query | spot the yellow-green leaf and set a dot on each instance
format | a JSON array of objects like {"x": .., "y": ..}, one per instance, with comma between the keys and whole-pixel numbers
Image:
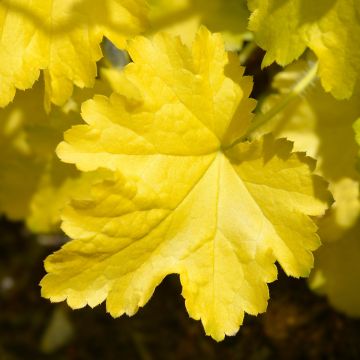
[
  {"x": 330, "y": 28},
  {"x": 34, "y": 184},
  {"x": 356, "y": 128},
  {"x": 321, "y": 126},
  {"x": 337, "y": 272},
  {"x": 181, "y": 199},
  {"x": 62, "y": 38},
  {"x": 183, "y": 18}
]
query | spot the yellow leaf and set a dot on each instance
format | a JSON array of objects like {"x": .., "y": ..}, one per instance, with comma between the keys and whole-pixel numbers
[
  {"x": 328, "y": 27},
  {"x": 182, "y": 199},
  {"x": 34, "y": 184},
  {"x": 62, "y": 38},
  {"x": 321, "y": 126},
  {"x": 183, "y": 18}
]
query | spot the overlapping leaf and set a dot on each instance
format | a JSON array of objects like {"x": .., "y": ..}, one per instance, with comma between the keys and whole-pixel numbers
[
  {"x": 337, "y": 269},
  {"x": 331, "y": 28},
  {"x": 337, "y": 272},
  {"x": 181, "y": 199},
  {"x": 62, "y": 38},
  {"x": 183, "y": 17},
  {"x": 34, "y": 184},
  {"x": 322, "y": 126}
]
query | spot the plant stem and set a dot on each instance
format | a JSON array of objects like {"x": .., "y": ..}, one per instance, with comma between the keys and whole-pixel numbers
[
  {"x": 298, "y": 88},
  {"x": 294, "y": 93},
  {"x": 246, "y": 52}
]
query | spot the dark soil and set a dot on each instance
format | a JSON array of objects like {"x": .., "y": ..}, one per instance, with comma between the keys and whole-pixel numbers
[{"x": 297, "y": 325}]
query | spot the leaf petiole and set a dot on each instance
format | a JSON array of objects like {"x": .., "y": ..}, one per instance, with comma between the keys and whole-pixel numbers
[
  {"x": 297, "y": 90},
  {"x": 247, "y": 52}
]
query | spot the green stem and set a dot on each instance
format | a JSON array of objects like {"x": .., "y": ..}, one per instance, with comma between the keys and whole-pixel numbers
[
  {"x": 247, "y": 51},
  {"x": 298, "y": 88}
]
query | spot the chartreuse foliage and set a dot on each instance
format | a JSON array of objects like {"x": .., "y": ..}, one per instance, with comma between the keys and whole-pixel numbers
[
  {"x": 322, "y": 126},
  {"x": 166, "y": 181},
  {"x": 328, "y": 27},
  {"x": 356, "y": 128},
  {"x": 183, "y": 18},
  {"x": 61, "y": 37},
  {"x": 180, "y": 197},
  {"x": 337, "y": 271},
  {"x": 34, "y": 184}
]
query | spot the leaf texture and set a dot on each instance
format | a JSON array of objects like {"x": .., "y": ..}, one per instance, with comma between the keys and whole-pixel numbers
[
  {"x": 181, "y": 199},
  {"x": 330, "y": 28}
]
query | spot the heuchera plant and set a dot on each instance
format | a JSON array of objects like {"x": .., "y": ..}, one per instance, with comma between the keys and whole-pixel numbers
[{"x": 178, "y": 169}]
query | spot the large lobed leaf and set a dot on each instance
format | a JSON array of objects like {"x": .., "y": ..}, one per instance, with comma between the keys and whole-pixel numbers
[
  {"x": 62, "y": 38},
  {"x": 331, "y": 28},
  {"x": 181, "y": 199}
]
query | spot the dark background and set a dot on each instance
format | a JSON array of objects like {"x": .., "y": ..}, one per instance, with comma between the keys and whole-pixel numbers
[{"x": 297, "y": 325}]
